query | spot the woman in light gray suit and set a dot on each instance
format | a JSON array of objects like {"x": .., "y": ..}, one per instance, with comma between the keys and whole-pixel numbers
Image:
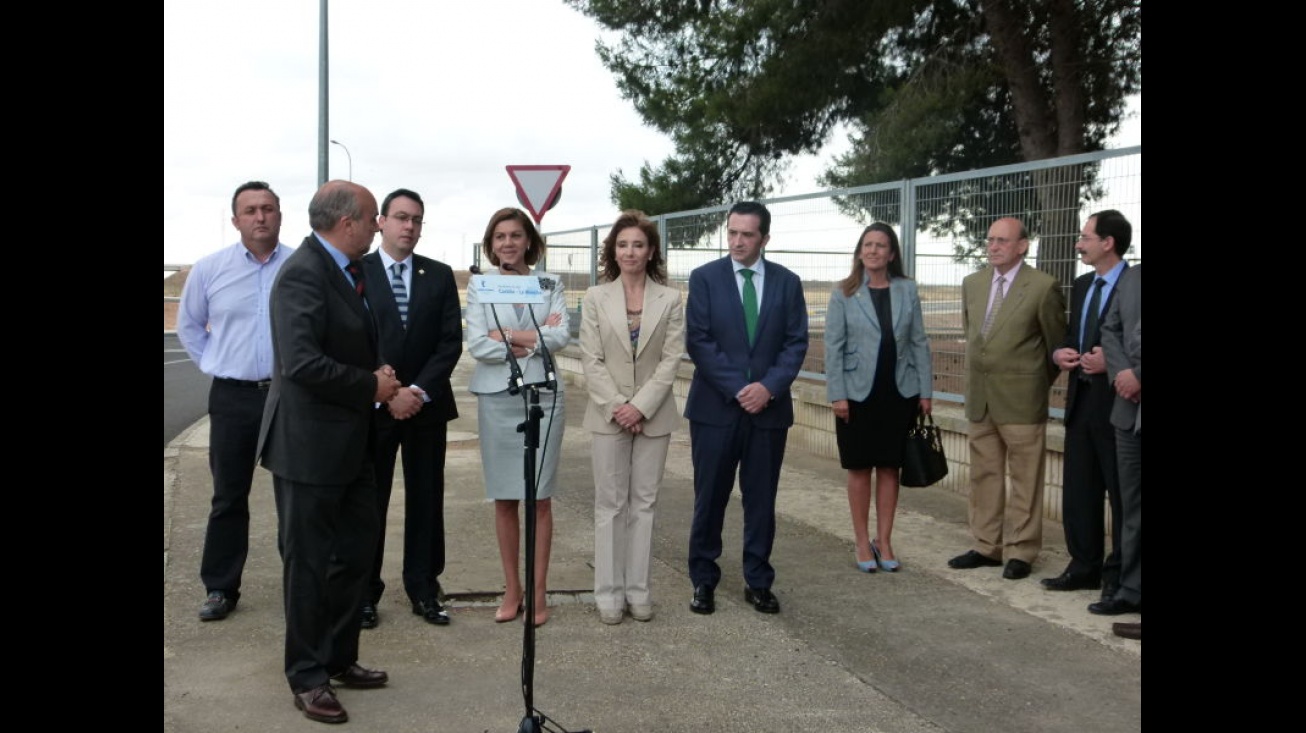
[
  {"x": 631, "y": 339},
  {"x": 512, "y": 244},
  {"x": 875, "y": 384}
]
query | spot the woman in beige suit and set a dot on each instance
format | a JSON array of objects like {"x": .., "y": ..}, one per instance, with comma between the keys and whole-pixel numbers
[{"x": 631, "y": 339}]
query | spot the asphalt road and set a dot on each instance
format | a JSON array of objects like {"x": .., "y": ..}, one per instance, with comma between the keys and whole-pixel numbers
[{"x": 185, "y": 389}]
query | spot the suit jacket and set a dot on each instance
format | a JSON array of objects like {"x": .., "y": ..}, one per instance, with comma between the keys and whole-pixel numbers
[
  {"x": 317, "y": 423},
  {"x": 717, "y": 341},
  {"x": 1078, "y": 294},
  {"x": 427, "y": 351},
  {"x": 614, "y": 374},
  {"x": 1009, "y": 372},
  {"x": 852, "y": 343},
  {"x": 492, "y": 366},
  {"x": 1122, "y": 342}
]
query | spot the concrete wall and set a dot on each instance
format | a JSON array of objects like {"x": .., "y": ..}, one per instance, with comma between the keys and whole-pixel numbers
[{"x": 813, "y": 430}]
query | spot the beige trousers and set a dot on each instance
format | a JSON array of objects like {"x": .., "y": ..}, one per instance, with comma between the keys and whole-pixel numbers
[
  {"x": 627, "y": 474},
  {"x": 1007, "y": 525}
]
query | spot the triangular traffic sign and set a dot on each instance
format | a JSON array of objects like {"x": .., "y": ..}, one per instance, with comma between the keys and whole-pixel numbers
[{"x": 538, "y": 186}]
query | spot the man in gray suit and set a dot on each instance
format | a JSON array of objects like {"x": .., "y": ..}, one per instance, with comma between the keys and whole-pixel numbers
[
  {"x": 1122, "y": 342},
  {"x": 316, "y": 439}
]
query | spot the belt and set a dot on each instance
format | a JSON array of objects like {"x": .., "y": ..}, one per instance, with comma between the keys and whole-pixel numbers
[{"x": 260, "y": 384}]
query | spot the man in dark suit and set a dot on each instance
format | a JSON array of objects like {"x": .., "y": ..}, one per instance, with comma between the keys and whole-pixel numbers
[
  {"x": 1122, "y": 341},
  {"x": 1090, "y": 450},
  {"x": 317, "y": 439},
  {"x": 1014, "y": 316},
  {"x": 746, "y": 332},
  {"x": 414, "y": 300}
]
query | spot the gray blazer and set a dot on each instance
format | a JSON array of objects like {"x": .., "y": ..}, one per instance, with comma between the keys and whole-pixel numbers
[
  {"x": 1122, "y": 343},
  {"x": 852, "y": 343}
]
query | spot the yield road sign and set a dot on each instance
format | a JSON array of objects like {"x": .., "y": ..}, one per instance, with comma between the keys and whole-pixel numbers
[{"x": 538, "y": 186}]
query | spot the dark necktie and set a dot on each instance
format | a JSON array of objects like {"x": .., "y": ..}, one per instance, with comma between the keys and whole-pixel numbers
[
  {"x": 401, "y": 291},
  {"x": 750, "y": 304},
  {"x": 1088, "y": 338},
  {"x": 356, "y": 271}
]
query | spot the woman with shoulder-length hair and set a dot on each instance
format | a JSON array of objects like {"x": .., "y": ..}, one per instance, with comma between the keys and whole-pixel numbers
[
  {"x": 512, "y": 244},
  {"x": 631, "y": 338},
  {"x": 878, "y": 375}
]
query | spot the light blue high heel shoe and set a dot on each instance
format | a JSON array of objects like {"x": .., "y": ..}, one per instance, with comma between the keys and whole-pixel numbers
[
  {"x": 867, "y": 566},
  {"x": 888, "y": 566}
]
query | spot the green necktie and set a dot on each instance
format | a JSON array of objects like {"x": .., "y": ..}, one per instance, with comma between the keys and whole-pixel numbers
[{"x": 750, "y": 305}]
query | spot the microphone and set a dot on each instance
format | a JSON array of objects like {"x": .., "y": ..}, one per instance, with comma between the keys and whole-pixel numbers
[
  {"x": 474, "y": 270},
  {"x": 550, "y": 374}
]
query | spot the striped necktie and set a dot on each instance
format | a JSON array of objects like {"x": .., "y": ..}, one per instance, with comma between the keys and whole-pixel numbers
[
  {"x": 993, "y": 309},
  {"x": 401, "y": 292}
]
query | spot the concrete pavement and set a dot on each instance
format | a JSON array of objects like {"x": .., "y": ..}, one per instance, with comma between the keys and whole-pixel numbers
[{"x": 926, "y": 649}]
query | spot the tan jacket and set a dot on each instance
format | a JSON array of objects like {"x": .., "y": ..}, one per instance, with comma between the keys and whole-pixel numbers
[
  {"x": 614, "y": 375},
  {"x": 1010, "y": 371}
]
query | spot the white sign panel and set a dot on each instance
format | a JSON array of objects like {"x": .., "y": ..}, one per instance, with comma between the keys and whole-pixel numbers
[{"x": 507, "y": 288}]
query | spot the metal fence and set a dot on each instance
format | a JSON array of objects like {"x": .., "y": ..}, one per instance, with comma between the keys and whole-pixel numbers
[{"x": 942, "y": 222}]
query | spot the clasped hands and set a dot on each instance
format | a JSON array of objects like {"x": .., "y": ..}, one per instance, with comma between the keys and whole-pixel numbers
[
  {"x": 629, "y": 418},
  {"x": 1092, "y": 362},
  {"x": 753, "y": 398},
  {"x": 386, "y": 383}
]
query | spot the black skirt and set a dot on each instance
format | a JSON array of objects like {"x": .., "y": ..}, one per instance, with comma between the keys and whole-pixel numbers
[{"x": 876, "y": 430}]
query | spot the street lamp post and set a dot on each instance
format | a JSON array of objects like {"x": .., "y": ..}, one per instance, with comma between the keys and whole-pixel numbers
[{"x": 349, "y": 157}]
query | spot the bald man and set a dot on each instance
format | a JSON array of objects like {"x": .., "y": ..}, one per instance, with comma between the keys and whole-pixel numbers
[
  {"x": 316, "y": 439},
  {"x": 1014, "y": 316}
]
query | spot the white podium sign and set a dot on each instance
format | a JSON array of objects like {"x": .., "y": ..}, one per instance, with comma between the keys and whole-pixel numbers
[{"x": 507, "y": 288}]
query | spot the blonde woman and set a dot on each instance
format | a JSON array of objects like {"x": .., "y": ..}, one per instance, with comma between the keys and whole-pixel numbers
[{"x": 878, "y": 375}]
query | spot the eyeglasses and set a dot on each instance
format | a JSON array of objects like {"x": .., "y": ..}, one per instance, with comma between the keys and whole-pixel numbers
[
  {"x": 1089, "y": 238},
  {"x": 997, "y": 240},
  {"x": 405, "y": 218}
]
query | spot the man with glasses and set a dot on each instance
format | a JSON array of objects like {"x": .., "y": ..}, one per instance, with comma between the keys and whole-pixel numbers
[
  {"x": 1090, "y": 451},
  {"x": 415, "y": 303},
  {"x": 1013, "y": 316},
  {"x": 222, "y": 322}
]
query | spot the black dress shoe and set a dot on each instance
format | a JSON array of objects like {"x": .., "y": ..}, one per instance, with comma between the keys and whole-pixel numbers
[
  {"x": 370, "y": 619},
  {"x": 1109, "y": 590},
  {"x": 356, "y": 675},
  {"x": 1016, "y": 569},
  {"x": 431, "y": 610},
  {"x": 762, "y": 599},
  {"x": 971, "y": 559},
  {"x": 320, "y": 704},
  {"x": 1114, "y": 607},
  {"x": 1068, "y": 581},
  {"x": 704, "y": 600},
  {"x": 217, "y": 606}
]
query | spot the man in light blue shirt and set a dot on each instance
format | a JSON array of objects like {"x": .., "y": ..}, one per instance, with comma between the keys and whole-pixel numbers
[{"x": 223, "y": 323}]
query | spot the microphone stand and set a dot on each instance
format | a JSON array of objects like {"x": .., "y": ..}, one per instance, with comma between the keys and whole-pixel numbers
[{"x": 535, "y": 721}]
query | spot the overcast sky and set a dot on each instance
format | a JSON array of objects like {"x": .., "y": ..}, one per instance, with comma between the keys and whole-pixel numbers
[{"x": 433, "y": 96}]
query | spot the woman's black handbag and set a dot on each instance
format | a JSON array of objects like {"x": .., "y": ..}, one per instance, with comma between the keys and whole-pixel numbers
[{"x": 923, "y": 460}]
